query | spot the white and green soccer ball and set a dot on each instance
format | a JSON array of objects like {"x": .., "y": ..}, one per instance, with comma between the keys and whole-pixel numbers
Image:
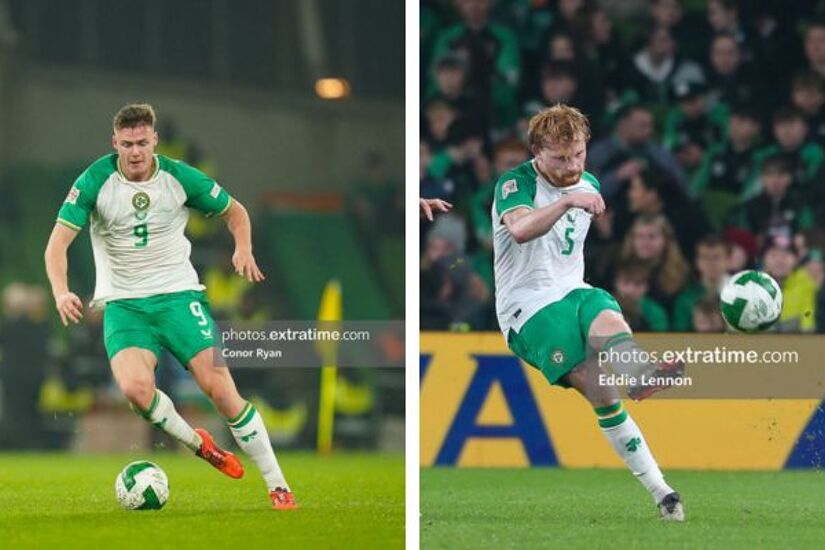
[
  {"x": 142, "y": 485},
  {"x": 751, "y": 301}
]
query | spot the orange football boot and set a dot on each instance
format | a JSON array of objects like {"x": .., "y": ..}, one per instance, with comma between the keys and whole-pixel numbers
[
  {"x": 282, "y": 499},
  {"x": 224, "y": 461}
]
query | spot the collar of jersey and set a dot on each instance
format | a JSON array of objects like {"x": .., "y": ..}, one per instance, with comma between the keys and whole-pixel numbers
[{"x": 127, "y": 180}]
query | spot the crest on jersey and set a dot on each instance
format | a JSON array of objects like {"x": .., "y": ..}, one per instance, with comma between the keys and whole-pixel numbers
[
  {"x": 509, "y": 186},
  {"x": 141, "y": 201},
  {"x": 557, "y": 357},
  {"x": 74, "y": 193}
]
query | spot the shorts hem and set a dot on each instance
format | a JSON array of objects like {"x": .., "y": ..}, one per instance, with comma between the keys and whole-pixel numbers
[
  {"x": 193, "y": 353},
  {"x": 154, "y": 352}
]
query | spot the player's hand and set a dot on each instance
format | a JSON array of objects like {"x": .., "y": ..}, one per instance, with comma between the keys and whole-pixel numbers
[
  {"x": 426, "y": 207},
  {"x": 592, "y": 203},
  {"x": 69, "y": 307},
  {"x": 245, "y": 266}
]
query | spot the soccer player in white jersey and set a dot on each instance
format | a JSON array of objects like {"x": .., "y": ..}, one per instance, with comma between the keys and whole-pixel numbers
[
  {"x": 549, "y": 316},
  {"x": 138, "y": 204}
]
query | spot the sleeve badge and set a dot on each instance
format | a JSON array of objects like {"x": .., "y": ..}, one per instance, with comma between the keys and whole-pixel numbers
[
  {"x": 74, "y": 193},
  {"x": 509, "y": 186}
]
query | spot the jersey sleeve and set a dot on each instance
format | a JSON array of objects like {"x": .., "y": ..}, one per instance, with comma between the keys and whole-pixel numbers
[
  {"x": 202, "y": 192},
  {"x": 80, "y": 202},
  {"x": 512, "y": 192},
  {"x": 592, "y": 180}
]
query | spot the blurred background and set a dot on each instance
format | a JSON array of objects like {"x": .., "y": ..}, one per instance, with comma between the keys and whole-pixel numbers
[
  {"x": 295, "y": 107},
  {"x": 708, "y": 128}
]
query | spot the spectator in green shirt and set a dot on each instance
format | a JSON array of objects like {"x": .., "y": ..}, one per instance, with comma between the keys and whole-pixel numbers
[
  {"x": 728, "y": 166},
  {"x": 630, "y": 289},
  {"x": 808, "y": 95},
  {"x": 711, "y": 275},
  {"x": 491, "y": 53},
  {"x": 693, "y": 125},
  {"x": 508, "y": 154},
  {"x": 779, "y": 207},
  {"x": 790, "y": 130},
  {"x": 451, "y": 86}
]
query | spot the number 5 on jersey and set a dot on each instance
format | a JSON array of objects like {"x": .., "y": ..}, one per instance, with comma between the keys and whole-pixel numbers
[{"x": 568, "y": 241}]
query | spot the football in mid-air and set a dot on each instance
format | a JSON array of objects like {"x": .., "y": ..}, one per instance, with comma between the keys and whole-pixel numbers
[
  {"x": 751, "y": 301},
  {"x": 142, "y": 485}
]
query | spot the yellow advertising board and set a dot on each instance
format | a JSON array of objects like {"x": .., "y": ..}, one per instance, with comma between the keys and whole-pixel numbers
[{"x": 482, "y": 407}]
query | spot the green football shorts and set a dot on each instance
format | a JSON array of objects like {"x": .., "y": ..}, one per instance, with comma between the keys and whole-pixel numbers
[
  {"x": 180, "y": 322},
  {"x": 554, "y": 339}
]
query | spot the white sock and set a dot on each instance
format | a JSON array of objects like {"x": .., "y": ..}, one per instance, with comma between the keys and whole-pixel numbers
[
  {"x": 250, "y": 433},
  {"x": 162, "y": 414},
  {"x": 627, "y": 440}
]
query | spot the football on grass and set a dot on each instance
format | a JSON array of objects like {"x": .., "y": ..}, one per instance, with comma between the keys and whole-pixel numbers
[
  {"x": 751, "y": 301},
  {"x": 142, "y": 485}
]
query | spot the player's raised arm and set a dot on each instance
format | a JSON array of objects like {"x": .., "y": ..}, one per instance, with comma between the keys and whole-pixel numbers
[
  {"x": 238, "y": 222},
  {"x": 525, "y": 224},
  {"x": 68, "y": 305}
]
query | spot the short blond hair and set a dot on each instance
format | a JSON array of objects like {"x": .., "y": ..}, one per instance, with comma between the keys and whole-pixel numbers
[
  {"x": 560, "y": 124},
  {"x": 134, "y": 115}
]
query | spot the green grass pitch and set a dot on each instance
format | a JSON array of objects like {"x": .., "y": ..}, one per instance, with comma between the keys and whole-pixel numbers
[
  {"x": 68, "y": 501},
  {"x": 556, "y": 508}
]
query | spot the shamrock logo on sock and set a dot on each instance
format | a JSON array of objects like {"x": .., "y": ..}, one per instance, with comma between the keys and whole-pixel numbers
[
  {"x": 247, "y": 438},
  {"x": 633, "y": 444}
]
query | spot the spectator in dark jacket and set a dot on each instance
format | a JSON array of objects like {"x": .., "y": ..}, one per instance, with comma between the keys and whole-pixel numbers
[
  {"x": 658, "y": 67},
  {"x": 616, "y": 159},
  {"x": 728, "y": 166},
  {"x": 778, "y": 208},
  {"x": 731, "y": 79},
  {"x": 808, "y": 96},
  {"x": 653, "y": 191}
]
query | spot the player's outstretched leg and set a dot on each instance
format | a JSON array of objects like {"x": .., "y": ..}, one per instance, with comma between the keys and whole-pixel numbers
[
  {"x": 616, "y": 424},
  {"x": 245, "y": 423},
  {"x": 625, "y": 437},
  {"x": 133, "y": 370}
]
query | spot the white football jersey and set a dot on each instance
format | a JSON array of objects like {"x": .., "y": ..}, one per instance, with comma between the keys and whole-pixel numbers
[
  {"x": 137, "y": 228},
  {"x": 531, "y": 275}
]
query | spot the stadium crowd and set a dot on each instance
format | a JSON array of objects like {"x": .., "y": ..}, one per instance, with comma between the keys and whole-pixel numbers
[{"x": 708, "y": 139}]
